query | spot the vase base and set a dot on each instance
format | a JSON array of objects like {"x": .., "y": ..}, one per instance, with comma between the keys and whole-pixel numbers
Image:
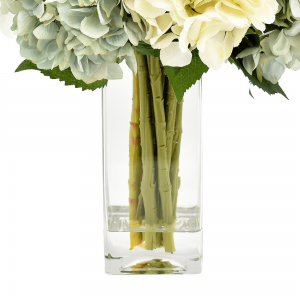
[
  {"x": 120, "y": 260},
  {"x": 113, "y": 266}
]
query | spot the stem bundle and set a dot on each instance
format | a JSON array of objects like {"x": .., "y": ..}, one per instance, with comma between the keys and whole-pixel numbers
[{"x": 154, "y": 162}]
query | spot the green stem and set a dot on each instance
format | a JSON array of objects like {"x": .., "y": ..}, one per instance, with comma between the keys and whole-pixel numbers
[
  {"x": 159, "y": 239},
  {"x": 175, "y": 179},
  {"x": 171, "y": 107},
  {"x": 140, "y": 212},
  {"x": 135, "y": 164},
  {"x": 148, "y": 184},
  {"x": 164, "y": 183},
  {"x": 158, "y": 202}
]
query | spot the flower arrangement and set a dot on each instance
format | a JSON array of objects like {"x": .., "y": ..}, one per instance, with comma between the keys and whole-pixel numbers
[
  {"x": 168, "y": 45},
  {"x": 92, "y": 37}
]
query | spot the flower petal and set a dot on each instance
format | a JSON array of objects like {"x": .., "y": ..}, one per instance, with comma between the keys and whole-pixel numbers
[
  {"x": 165, "y": 40},
  {"x": 39, "y": 10},
  {"x": 118, "y": 40},
  {"x": 43, "y": 32},
  {"x": 6, "y": 22},
  {"x": 109, "y": 70},
  {"x": 172, "y": 56},
  {"x": 214, "y": 54},
  {"x": 25, "y": 23},
  {"x": 295, "y": 7},
  {"x": 92, "y": 27},
  {"x": 108, "y": 6},
  {"x": 145, "y": 9}
]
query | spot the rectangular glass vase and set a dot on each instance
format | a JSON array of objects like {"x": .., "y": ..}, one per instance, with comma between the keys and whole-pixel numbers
[{"x": 159, "y": 233}]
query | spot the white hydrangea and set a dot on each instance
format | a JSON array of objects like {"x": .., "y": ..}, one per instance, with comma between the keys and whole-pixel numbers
[
  {"x": 91, "y": 37},
  {"x": 214, "y": 27}
]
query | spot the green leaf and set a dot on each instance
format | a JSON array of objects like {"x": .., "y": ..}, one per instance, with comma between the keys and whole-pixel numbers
[
  {"x": 265, "y": 85},
  {"x": 253, "y": 39},
  {"x": 65, "y": 76},
  {"x": 250, "y": 93},
  {"x": 145, "y": 49},
  {"x": 183, "y": 78}
]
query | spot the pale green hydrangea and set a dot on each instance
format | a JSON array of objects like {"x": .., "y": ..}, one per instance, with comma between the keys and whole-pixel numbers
[
  {"x": 91, "y": 37},
  {"x": 279, "y": 47}
]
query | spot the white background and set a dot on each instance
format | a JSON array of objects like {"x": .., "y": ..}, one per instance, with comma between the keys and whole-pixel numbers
[{"x": 51, "y": 241}]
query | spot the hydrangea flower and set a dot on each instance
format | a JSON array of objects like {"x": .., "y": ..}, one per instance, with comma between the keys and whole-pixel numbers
[
  {"x": 279, "y": 49},
  {"x": 91, "y": 37},
  {"x": 214, "y": 27}
]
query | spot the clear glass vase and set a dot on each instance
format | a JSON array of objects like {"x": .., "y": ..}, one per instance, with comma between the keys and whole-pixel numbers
[{"x": 152, "y": 174}]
